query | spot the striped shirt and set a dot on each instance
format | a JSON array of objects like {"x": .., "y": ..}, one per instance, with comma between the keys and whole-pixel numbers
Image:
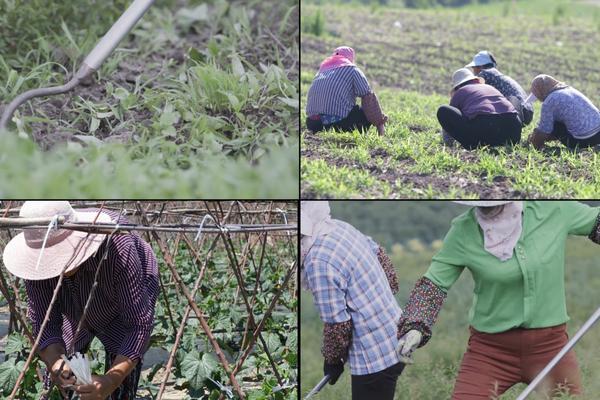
[
  {"x": 334, "y": 92},
  {"x": 121, "y": 314},
  {"x": 570, "y": 107},
  {"x": 348, "y": 283}
]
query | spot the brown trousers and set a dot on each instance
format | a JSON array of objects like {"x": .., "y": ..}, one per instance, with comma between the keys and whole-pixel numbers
[{"x": 494, "y": 362}]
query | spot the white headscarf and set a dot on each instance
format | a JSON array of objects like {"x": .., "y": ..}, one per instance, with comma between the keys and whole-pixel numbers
[
  {"x": 501, "y": 228},
  {"x": 315, "y": 220}
]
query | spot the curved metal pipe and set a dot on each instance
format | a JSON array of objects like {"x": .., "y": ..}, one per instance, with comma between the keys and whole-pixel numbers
[
  {"x": 83, "y": 72},
  {"x": 92, "y": 62}
]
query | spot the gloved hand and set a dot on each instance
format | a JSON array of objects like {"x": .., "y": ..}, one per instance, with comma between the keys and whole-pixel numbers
[
  {"x": 334, "y": 371},
  {"x": 409, "y": 342}
]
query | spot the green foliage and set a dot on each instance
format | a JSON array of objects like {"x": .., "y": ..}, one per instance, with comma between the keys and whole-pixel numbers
[
  {"x": 197, "y": 368},
  {"x": 196, "y": 86},
  {"x": 314, "y": 23},
  {"x": 558, "y": 15}
]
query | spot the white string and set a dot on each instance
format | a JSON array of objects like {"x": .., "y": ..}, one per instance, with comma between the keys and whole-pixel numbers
[
  {"x": 199, "y": 234},
  {"x": 285, "y": 220},
  {"x": 53, "y": 224}
]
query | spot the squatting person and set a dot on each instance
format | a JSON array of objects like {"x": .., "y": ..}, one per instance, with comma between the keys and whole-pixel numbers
[
  {"x": 331, "y": 102},
  {"x": 121, "y": 314},
  {"x": 567, "y": 115},
  {"x": 478, "y": 114},
  {"x": 484, "y": 65},
  {"x": 352, "y": 281},
  {"x": 515, "y": 253}
]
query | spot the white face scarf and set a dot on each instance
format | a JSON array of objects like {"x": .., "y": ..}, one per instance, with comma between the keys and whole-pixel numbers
[
  {"x": 315, "y": 220},
  {"x": 502, "y": 227}
]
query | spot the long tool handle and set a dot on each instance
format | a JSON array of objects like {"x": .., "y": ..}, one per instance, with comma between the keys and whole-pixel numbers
[
  {"x": 582, "y": 331},
  {"x": 318, "y": 388},
  {"x": 116, "y": 33}
]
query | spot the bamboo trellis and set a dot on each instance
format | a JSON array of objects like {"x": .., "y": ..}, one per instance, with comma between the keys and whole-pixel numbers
[{"x": 241, "y": 229}]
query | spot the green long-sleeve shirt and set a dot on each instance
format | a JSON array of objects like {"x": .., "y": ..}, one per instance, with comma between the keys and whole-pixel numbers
[{"x": 528, "y": 289}]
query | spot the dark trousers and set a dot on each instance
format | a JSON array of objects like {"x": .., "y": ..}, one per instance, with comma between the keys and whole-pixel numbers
[
  {"x": 561, "y": 132},
  {"x": 380, "y": 385},
  {"x": 356, "y": 119},
  {"x": 525, "y": 113},
  {"x": 491, "y": 129}
]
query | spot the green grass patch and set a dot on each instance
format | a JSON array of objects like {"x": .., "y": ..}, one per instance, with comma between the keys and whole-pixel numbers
[
  {"x": 197, "y": 87},
  {"x": 409, "y": 57}
]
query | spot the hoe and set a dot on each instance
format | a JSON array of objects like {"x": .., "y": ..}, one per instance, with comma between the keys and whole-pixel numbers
[{"x": 92, "y": 62}]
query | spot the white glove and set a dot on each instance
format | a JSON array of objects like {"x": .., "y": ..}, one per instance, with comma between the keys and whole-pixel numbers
[{"x": 409, "y": 342}]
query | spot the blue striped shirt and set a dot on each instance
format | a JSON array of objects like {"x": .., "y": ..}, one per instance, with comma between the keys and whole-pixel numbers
[
  {"x": 348, "y": 283},
  {"x": 334, "y": 92},
  {"x": 121, "y": 314}
]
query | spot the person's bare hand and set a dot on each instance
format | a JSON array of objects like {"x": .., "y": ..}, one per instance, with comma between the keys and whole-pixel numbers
[
  {"x": 536, "y": 140},
  {"x": 63, "y": 378},
  {"x": 101, "y": 387}
]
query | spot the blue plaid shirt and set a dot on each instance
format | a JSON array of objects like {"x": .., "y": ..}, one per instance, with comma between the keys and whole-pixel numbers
[{"x": 348, "y": 282}]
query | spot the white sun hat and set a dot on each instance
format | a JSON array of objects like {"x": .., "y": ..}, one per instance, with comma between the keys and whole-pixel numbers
[
  {"x": 463, "y": 75},
  {"x": 484, "y": 57},
  {"x": 477, "y": 203},
  {"x": 63, "y": 246}
]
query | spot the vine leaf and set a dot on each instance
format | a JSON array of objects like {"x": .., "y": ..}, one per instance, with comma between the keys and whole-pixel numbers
[
  {"x": 196, "y": 368},
  {"x": 9, "y": 372},
  {"x": 15, "y": 343}
]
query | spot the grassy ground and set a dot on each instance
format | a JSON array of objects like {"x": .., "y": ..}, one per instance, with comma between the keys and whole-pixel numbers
[
  {"x": 201, "y": 99},
  {"x": 433, "y": 375},
  {"x": 408, "y": 57}
]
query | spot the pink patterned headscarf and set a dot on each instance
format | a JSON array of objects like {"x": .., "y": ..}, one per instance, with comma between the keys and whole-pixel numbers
[{"x": 341, "y": 57}]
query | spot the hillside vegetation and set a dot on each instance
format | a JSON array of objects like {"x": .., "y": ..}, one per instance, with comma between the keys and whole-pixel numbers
[{"x": 409, "y": 57}]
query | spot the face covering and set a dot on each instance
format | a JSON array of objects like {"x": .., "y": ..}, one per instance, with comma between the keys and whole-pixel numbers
[
  {"x": 502, "y": 227},
  {"x": 315, "y": 221}
]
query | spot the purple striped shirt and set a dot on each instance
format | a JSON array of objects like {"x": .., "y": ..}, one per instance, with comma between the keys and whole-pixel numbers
[{"x": 121, "y": 314}]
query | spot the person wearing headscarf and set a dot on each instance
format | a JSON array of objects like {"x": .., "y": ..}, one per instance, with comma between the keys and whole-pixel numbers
[
  {"x": 478, "y": 114},
  {"x": 484, "y": 65},
  {"x": 515, "y": 253},
  {"x": 331, "y": 102},
  {"x": 353, "y": 284},
  {"x": 567, "y": 115},
  {"x": 120, "y": 314}
]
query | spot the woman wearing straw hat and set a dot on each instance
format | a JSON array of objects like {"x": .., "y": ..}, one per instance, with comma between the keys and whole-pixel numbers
[
  {"x": 121, "y": 312},
  {"x": 515, "y": 253},
  {"x": 332, "y": 97},
  {"x": 567, "y": 115},
  {"x": 353, "y": 284},
  {"x": 478, "y": 114},
  {"x": 484, "y": 65}
]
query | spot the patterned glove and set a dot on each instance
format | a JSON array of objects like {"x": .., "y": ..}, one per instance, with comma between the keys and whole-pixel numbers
[
  {"x": 422, "y": 309},
  {"x": 372, "y": 110}
]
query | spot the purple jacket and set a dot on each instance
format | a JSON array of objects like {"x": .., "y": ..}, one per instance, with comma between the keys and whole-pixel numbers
[
  {"x": 122, "y": 312},
  {"x": 480, "y": 99}
]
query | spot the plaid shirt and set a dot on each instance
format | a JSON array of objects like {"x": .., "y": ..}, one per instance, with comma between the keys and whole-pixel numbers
[{"x": 348, "y": 282}]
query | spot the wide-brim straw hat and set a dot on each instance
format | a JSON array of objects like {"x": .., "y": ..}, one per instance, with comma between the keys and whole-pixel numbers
[
  {"x": 477, "y": 203},
  {"x": 463, "y": 75},
  {"x": 63, "y": 247}
]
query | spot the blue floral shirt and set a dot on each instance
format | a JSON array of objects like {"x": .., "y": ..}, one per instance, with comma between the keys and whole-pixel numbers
[{"x": 505, "y": 85}]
